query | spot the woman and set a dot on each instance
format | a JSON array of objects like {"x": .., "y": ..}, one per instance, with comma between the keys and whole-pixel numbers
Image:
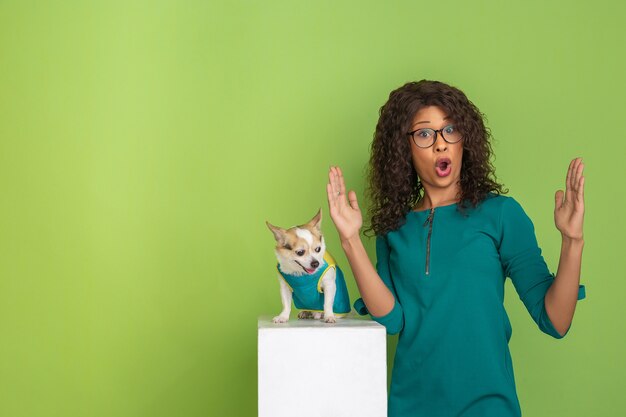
[{"x": 446, "y": 239}]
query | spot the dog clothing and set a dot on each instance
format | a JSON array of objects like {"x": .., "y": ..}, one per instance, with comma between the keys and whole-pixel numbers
[
  {"x": 308, "y": 293},
  {"x": 453, "y": 356}
]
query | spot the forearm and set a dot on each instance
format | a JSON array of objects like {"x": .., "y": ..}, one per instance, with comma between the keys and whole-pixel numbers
[
  {"x": 561, "y": 298},
  {"x": 377, "y": 297}
]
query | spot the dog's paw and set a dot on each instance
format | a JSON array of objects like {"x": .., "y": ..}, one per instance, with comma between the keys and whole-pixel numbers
[
  {"x": 318, "y": 315},
  {"x": 305, "y": 314},
  {"x": 280, "y": 319},
  {"x": 330, "y": 319}
]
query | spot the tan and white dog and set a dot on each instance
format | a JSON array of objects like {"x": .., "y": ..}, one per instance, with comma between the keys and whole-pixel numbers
[{"x": 308, "y": 274}]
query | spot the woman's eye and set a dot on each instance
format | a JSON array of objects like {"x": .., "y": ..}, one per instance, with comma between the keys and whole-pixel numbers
[
  {"x": 318, "y": 249},
  {"x": 300, "y": 252},
  {"x": 449, "y": 129},
  {"x": 423, "y": 134}
]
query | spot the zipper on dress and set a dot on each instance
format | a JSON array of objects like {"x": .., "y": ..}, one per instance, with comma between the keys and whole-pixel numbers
[{"x": 429, "y": 221}]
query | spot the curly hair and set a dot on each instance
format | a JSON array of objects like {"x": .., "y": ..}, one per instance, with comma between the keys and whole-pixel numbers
[{"x": 394, "y": 187}]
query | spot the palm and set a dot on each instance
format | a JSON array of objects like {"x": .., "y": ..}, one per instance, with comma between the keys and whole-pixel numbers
[
  {"x": 569, "y": 207},
  {"x": 344, "y": 212}
]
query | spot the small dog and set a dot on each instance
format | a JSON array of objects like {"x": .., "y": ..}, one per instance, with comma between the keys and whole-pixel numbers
[{"x": 308, "y": 273}]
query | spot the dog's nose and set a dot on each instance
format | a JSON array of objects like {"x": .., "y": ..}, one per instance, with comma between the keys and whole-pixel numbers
[{"x": 315, "y": 264}]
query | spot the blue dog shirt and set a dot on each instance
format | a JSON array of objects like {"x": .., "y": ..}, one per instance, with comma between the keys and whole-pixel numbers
[{"x": 308, "y": 293}]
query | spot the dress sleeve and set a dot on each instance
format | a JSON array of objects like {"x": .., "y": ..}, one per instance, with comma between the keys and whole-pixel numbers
[
  {"x": 394, "y": 320},
  {"x": 522, "y": 261}
]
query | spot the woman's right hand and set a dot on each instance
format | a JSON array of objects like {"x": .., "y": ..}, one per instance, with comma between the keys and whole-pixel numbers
[{"x": 346, "y": 216}]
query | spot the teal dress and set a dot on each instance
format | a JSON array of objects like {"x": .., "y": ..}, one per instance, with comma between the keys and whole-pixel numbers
[{"x": 446, "y": 271}]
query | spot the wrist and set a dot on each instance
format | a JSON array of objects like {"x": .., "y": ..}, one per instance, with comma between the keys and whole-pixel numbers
[
  {"x": 351, "y": 242},
  {"x": 572, "y": 241}
]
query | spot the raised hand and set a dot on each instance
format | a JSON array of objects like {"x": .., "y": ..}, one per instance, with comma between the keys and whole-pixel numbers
[
  {"x": 569, "y": 208},
  {"x": 344, "y": 212}
]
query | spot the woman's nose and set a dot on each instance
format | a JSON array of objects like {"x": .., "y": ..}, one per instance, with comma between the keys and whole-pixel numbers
[{"x": 440, "y": 144}]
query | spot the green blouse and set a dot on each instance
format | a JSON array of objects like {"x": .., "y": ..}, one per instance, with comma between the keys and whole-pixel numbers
[{"x": 446, "y": 271}]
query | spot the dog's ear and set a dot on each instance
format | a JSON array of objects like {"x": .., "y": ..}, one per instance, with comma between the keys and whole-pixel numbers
[
  {"x": 316, "y": 221},
  {"x": 279, "y": 233}
]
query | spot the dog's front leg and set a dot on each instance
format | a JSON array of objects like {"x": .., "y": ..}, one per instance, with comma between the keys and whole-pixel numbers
[
  {"x": 285, "y": 296},
  {"x": 330, "y": 288}
]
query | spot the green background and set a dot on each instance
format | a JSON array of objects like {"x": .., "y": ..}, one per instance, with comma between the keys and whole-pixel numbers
[{"x": 143, "y": 145}]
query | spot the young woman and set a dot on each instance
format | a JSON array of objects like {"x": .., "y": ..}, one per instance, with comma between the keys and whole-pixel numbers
[{"x": 446, "y": 239}]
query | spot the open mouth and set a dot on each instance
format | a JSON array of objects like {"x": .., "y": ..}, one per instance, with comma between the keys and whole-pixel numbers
[
  {"x": 443, "y": 167},
  {"x": 307, "y": 270}
]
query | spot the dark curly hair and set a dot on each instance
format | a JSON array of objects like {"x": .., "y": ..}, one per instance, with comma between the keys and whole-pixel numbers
[{"x": 394, "y": 187}]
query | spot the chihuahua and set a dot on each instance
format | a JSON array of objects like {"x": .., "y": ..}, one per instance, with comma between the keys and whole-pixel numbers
[{"x": 308, "y": 274}]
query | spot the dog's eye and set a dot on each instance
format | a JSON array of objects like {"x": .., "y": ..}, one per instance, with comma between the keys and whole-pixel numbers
[
  {"x": 318, "y": 249},
  {"x": 300, "y": 252}
]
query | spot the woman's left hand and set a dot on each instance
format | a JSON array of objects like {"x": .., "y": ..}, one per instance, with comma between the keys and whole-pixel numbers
[{"x": 569, "y": 208}]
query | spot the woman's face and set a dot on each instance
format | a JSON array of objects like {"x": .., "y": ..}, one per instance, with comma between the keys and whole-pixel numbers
[{"x": 439, "y": 166}]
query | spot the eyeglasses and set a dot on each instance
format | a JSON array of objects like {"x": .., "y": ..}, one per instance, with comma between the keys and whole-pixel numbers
[{"x": 425, "y": 138}]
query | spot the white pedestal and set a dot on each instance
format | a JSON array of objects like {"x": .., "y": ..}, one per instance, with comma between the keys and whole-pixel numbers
[{"x": 308, "y": 368}]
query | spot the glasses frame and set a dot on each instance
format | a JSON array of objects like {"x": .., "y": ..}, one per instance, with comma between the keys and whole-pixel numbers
[{"x": 440, "y": 131}]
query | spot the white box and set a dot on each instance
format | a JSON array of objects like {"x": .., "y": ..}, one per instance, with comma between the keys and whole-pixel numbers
[{"x": 308, "y": 368}]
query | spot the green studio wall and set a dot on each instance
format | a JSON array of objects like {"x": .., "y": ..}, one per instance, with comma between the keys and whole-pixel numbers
[{"x": 143, "y": 145}]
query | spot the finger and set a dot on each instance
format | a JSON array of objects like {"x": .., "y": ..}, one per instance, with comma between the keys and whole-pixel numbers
[
  {"x": 580, "y": 195},
  {"x": 336, "y": 187},
  {"x": 568, "y": 180},
  {"x": 332, "y": 187},
  {"x": 558, "y": 200},
  {"x": 340, "y": 189},
  {"x": 574, "y": 178},
  {"x": 332, "y": 175},
  {"x": 331, "y": 197},
  {"x": 573, "y": 181},
  {"x": 353, "y": 202},
  {"x": 342, "y": 185}
]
